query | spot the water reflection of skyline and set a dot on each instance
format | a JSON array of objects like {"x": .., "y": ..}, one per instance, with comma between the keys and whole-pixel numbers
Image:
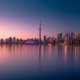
[
  {"x": 71, "y": 54},
  {"x": 63, "y": 54},
  {"x": 38, "y": 60}
]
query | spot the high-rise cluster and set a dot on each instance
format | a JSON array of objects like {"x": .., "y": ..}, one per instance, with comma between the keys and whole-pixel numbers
[{"x": 63, "y": 38}]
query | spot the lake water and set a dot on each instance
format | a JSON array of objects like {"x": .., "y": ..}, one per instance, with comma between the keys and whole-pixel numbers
[{"x": 34, "y": 62}]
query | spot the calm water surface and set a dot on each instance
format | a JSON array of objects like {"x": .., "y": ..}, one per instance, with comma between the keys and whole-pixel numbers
[{"x": 30, "y": 62}]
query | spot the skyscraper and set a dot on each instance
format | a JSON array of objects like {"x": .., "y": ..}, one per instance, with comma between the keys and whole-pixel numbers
[
  {"x": 40, "y": 32},
  {"x": 60, "y": 37}
]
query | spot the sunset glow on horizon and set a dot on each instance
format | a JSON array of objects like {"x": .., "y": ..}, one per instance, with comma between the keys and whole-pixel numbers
[
  {"x": 21, "y": 18},
  {"x": 12, "y": 28},
  {"x": 22, "y": 30}
]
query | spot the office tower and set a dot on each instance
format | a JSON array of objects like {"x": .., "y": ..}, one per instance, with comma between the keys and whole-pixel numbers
[
  {"x": 52, "y": 40},
  {"x": 10, "y": 40},
  {"x": 44, "y": 39},
  {"x": 72, "y": 35},
  {"x": 2, "y": 41},
  {"x": 14, "y": 40},
  {"x": 72, "y": 38},
  {"x": 60, "y": 37},
  {"x": 66, "y": 38}
]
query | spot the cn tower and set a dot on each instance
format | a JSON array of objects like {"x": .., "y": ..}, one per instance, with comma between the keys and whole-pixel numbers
[{"x": 40, "y": 32}]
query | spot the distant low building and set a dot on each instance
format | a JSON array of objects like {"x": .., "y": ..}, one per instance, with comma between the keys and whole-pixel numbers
[{"x": 30, "y": 42}]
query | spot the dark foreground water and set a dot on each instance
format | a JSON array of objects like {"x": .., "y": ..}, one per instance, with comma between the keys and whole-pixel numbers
[{"x": 29, "y": 62}]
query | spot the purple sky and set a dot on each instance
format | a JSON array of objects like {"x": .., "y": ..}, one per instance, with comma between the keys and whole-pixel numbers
[{"x": 20, "y": 18}]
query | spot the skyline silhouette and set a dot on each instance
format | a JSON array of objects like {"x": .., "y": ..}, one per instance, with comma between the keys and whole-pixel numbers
[{"x": 70, "y": 38}]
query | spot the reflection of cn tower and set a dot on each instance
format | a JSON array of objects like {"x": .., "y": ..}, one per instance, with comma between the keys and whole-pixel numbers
[
  {"x": 39, "y": 61},
  {"x": 40, "y": 32},
  {"x": 40, "y": 58},
  {"x": 40, "y": 47}
]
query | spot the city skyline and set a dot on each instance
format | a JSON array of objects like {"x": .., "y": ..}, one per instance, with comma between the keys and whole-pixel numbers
[
  {"x": 70, "y": 38},
  {"x": 20, "y": 18},
  {"x": 39, "y": 39}
]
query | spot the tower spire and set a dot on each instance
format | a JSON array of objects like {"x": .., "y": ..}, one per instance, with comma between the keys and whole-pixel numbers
[{"x": 40, "y": 32}]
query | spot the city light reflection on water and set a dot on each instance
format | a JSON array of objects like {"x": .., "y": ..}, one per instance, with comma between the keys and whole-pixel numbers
[{"x": 36, "y": 62}]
